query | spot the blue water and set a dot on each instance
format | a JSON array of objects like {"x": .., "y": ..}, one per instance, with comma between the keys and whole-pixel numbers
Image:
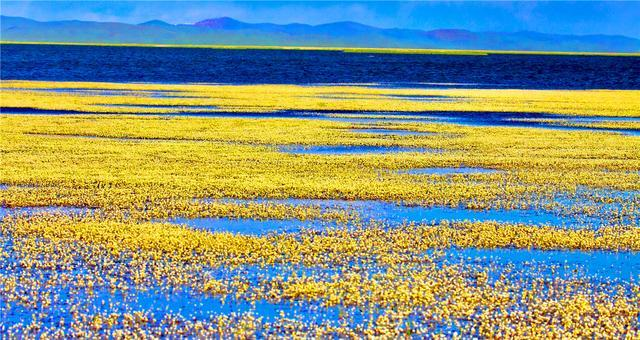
[
  {"x": 478, "y": 119},
  {"x": 202, "y": 65},
  {"x": 449, "y": 171},
  {"x": 159, "y": 302},
  {"x": 396, "y": 214},
  {"x": 391, "y": 132},
  {"x": 598, "y": 264},
  {"x": 421, "y": 98},
  {"x": 155, "y": 300},
  {"x": 111, "y": 92},
  {"x": 4, "y": 211},
  {"x": 159, "y": 106},
  {"x": 179, "y": 65},
  {"x": 614, "y": 205},
  {"x": 248, "y": 226},
  {"x": 346, "y": 149}
]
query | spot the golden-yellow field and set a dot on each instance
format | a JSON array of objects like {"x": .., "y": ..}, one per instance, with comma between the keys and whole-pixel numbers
[
  {"x": 358, "y": 211},
  {"x": 168, "y": 98}
]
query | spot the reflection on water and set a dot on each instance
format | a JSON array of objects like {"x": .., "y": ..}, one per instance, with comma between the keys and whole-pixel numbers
[
  {"x": 450, "y": 171},
  {"x": 249, "y": 226},
  {"x": 396, "y": 214},
  {"x": 603, "y": 264},
  {"x": 346, "y": 149},
  {"x": 4, "y": 211},
  {"x": 390, "y": 132},
  {"x": 499, "y": 119}
]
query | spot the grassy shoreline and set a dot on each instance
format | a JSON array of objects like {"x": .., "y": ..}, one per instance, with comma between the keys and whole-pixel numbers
[{"x": 337, "y": 49}]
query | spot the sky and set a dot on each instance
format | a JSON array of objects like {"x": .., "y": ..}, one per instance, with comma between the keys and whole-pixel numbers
[{"x": 560, "y": 17}]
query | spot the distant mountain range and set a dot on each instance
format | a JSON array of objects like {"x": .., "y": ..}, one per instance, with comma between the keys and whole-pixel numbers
[{"x": 228, "y": 31}]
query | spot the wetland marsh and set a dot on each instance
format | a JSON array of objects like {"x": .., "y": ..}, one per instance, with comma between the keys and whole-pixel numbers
[{"x": 230, "y": 203}]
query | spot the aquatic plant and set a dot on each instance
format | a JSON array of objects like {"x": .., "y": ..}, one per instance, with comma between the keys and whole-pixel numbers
[
  {"x": 88, "y": 247},
  {"x": 78, "y": 96}
]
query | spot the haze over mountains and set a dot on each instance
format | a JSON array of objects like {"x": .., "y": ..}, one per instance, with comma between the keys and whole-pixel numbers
[{"x": 228, "y": 31}]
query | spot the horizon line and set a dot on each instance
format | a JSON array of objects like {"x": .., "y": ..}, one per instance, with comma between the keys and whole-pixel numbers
[{"x": 374, "y": 50}]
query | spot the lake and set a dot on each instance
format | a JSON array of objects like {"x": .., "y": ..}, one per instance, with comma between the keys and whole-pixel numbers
[{"x": 203, "y": 65}]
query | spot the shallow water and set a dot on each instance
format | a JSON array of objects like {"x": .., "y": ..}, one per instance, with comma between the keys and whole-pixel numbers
[
  {"x": 346, "y": 149},
  {"x": 4, "y": 211},
  {"x": 391, "y": 132},
  {"x": 31, "y": 111},
  {"x": 248, "y": 226},
  {"x": 159, "y": 302},
  {"x": 159, "y": 106},
  {"x": 478, "y": 119},
  {"x": 109, "y": 92},
  {"x": 46, "y": 62},
  {"x": 449, "y": 171},
  {"x": 396, "y": 214},
  {"x": 155, "y": 301},
  {"x": 598, "y": 264}
]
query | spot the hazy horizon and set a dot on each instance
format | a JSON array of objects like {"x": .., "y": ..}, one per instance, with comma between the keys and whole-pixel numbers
[{"x": 555, "y": 17}]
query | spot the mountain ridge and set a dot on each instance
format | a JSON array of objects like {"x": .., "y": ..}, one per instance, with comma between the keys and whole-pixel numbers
[{"x": 229, "y": 31}]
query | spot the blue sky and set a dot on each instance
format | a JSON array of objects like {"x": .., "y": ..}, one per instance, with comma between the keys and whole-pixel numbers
[{"x": 579, "y": 17}]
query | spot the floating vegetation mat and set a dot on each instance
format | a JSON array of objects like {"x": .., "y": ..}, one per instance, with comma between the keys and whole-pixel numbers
[
  {"x": 317, "y": 211},
  {"x": 171, "y": 98}
]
